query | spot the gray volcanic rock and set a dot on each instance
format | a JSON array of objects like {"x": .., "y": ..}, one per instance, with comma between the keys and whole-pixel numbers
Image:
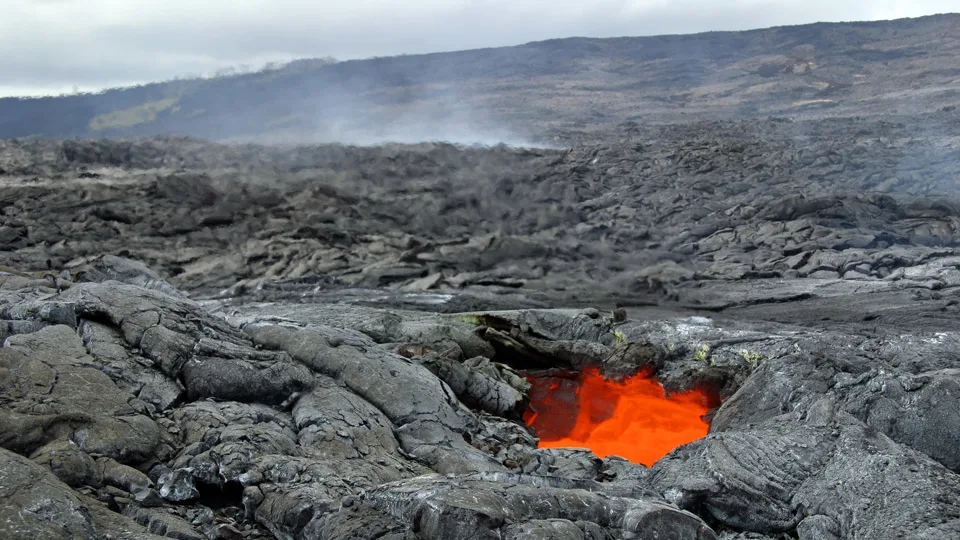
[
  {"x": 206, "y": 341},
  {"x": 918, "y": 410},
  {"x": 803, "y": 439},
  {"x": 37, "y": 505},
  {"x": 772, "y": 476},
  {"x": 113, "y": 268},
  {"x": 55, "y": 392},
  {"x": 285, "y": 435},
  {"x": 360, "y": 417},
  {"x": 428, "y": 419},
  {"x": 482, "y": 388},
  {"x": 467, "y": 507},
  {"x": 282, "y": 420},
  {"x": 650, "y": 214}
]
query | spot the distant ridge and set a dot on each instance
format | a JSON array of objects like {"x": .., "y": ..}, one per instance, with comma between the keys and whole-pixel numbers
[{"x": 536, "y": 90}]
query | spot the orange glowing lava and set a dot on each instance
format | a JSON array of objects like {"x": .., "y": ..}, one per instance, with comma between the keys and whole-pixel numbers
[{"x": 632, "y": 418}]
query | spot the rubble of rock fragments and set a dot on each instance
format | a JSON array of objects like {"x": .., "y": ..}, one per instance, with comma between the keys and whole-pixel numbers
[{"x": 844, "y": 204}]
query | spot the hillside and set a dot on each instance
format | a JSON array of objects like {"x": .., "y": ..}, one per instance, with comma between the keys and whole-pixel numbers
[{"x": 537, "y": 91}]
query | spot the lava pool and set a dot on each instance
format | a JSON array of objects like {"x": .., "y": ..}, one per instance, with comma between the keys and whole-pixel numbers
[{"x": 633, "y": 418}]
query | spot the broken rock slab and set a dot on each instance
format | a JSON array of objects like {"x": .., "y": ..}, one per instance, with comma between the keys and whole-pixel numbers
[
  {"x": 771, "y": 476},
  {"x": 57, "y": 392},
  {"x": 495, "y": 506},
  {"x": 38, "y": 505},
  {"x": 429, "y": 420}
]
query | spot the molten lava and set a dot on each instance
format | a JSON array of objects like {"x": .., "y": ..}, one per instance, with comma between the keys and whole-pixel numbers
[{"x": 632, "y": 418}]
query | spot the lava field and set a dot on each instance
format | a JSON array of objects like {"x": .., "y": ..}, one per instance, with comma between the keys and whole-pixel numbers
[{"x": 751, "y": 324}]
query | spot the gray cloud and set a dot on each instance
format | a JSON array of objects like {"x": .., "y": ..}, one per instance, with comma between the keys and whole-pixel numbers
[{"x": 50, "y": 46}]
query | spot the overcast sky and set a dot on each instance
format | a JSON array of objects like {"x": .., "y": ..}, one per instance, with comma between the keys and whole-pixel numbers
[{"x": 54, "y": 46}]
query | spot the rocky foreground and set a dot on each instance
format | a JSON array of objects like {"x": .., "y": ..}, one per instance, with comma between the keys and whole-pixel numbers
[{"x": 205, "y": 341}]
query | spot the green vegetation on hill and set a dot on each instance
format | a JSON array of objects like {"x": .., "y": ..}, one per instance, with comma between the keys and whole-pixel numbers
[{"x": 124, "y": 118}]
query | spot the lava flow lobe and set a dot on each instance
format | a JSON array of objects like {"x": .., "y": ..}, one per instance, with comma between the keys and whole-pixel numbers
[{"x": 633, "y": 418}]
